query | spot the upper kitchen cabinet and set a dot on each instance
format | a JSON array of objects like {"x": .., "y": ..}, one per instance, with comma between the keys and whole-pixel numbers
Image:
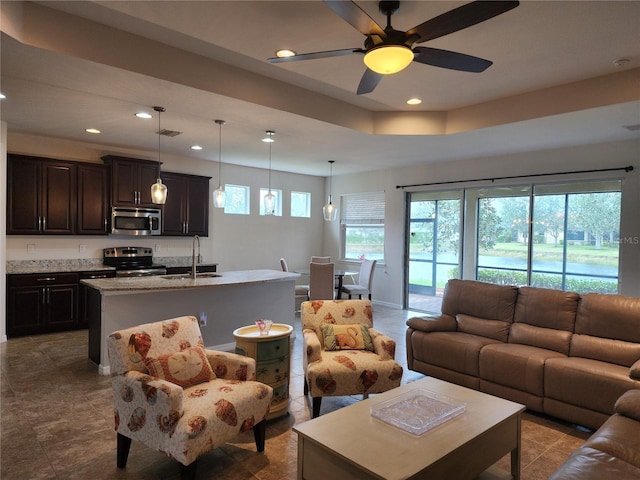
[
  {"x": 41, "y": 196},
  {"x": 187, "y": 209},
  {"x": 131, "y": 180},
  {"x": 93, "y": 199}
]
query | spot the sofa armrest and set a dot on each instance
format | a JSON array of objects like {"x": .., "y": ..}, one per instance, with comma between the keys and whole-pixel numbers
[
  {"x": 384, "y": 346},
  {"x": 629, "y": 404},
  {"x": 130, "y": 388},
  {"x": 441, "y": 323},
  {"x": 232, "y": 366},
  {"x": 313, "y": 348},
  {"x": 634, "y": 371}
]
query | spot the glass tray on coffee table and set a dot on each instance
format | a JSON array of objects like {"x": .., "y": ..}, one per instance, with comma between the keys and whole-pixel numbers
[{"x": 418, "y": 411}]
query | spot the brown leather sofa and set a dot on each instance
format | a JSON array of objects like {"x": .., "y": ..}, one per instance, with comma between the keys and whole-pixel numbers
[
  {"x": 613, "y": 451},
  {"x": 556, "y": 352}
]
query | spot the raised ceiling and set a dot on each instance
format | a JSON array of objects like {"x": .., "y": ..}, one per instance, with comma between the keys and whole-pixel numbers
[{"x": 67, "y": 66}]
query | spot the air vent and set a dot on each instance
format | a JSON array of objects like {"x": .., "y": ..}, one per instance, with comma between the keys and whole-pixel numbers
[
  {"x": 633, "y": 128},
  {"x": 169, "y": 133}
]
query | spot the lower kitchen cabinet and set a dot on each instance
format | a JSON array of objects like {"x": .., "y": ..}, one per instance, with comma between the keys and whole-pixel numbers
[
  {"x": 83, "y": 292},
  {"x": 41, "y": 303}
]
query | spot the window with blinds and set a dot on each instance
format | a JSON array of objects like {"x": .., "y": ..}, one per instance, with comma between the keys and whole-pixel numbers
[{"x": 362, "y": 226}]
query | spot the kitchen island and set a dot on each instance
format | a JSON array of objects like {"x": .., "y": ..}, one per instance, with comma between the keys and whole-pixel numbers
[{"x": 228, "y": 300}]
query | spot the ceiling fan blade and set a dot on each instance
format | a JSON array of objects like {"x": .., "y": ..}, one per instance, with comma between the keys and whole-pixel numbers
[
  {"x": 369, "y": 82},
  {"x": 460, "y": 18},
  {"x": 451, "y": 60},
  {"x": 356, "y": 17},
  {"x": 314, "y": 55}
]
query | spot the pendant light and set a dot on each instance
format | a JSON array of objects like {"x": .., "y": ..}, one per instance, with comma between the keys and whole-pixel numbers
[
  {"x": 219, "y": 195},
  {"x": 269, "y": 199},
  {"x": 158, "y": 189},
  {"x": 330, "y": 211}
]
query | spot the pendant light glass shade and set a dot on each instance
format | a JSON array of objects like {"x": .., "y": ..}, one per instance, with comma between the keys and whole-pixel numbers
[
  {"x": 330, "y": 211},
  {"x": 158, "y": 189},
  {"x": 269, "y": 199},
  {"x": 219, "y": 197},
  {"x": 159, "y": 192}
]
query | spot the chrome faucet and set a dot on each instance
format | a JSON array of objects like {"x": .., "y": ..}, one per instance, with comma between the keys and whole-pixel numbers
[{"x": 195, "y": 259}]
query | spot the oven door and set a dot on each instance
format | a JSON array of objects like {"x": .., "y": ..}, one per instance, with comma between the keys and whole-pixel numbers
[{"x": 135, "y": 221}]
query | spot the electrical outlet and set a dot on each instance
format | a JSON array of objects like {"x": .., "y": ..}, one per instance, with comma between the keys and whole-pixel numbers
[
  {"x": 82, "y": 248},
  {"x": 158, "y": 247},
  {"x": 31, "y": 247},
  {"x": 203, "y": 319}
]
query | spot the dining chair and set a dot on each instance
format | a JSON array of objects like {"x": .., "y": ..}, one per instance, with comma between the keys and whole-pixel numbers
[
  {"x": 301, "y": 290},
  {"x": 321, "y": 281},
  {"x": 315, "y": 259},
  {"x": 365, "y": 279}
]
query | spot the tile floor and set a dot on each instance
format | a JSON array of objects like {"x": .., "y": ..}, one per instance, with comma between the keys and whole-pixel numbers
[{"x": 57, "y": 421}]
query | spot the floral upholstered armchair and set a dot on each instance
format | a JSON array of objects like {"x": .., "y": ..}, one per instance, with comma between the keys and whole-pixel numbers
[
  {"x": 176, "y": 397},
  {"x": 344, "y": 354}
]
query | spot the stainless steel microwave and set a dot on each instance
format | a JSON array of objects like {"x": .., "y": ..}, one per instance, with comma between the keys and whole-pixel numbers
[{"x": 135, "y": 221}]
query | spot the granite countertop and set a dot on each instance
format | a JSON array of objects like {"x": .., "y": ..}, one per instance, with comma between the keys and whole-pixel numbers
[
  {"x": 177, "y": 282},
  {"x": 85, "y": 265},
  {"x": 55, "y": 266}
]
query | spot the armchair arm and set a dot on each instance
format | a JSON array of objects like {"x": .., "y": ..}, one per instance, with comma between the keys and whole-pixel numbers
[
  {"x": 134, "y": 389},
  {"x": 634, "y": 371},
  {"x": 385, "y": 347},
  {"x": 231, "y": 366},
  {"x": 442, "y": 323},
  {"x": 629, "y": 404},
  {"x": 313, "y": 348}
]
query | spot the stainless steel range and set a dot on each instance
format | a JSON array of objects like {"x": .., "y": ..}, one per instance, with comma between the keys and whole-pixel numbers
[{"x": 132, "y": 261}]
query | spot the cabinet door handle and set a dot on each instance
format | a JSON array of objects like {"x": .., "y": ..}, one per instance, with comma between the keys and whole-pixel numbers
[
  {"x": 44, "y": 224},
  {"x": 44, "y": 296},
  {"x": 105, "y": 224},
  {"x": 95, "y": 276},
  {"x": 48, "y": 295},
  {"x": 46, "y": 279}
]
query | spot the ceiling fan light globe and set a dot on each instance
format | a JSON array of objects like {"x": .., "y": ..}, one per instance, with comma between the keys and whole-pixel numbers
[{"x": 388, "y": 59}]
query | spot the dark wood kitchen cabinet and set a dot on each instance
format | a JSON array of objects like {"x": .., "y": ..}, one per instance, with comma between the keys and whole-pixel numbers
[
  {"x": 131, "y": 180},
  {"x": 186, "y": 212},
  {"x": 41, "y": 303},
  {"x": 83, "y": 293},
  {"x": 93, "y": 200},
  {"x": 41, "y": 196}
]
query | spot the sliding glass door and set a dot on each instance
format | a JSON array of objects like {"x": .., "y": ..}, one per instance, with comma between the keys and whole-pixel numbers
[{"x": 433, "y": 247}]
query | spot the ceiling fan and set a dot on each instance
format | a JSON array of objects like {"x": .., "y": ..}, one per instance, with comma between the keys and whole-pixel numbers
[{"x": 387, "y": 50}]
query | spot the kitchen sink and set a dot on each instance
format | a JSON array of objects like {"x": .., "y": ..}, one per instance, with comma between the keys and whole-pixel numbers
[{"x": 184, "y": 276}]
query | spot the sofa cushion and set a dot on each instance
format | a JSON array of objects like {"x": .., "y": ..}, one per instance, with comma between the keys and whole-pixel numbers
[
  {"x": 518, "y": 366},
  {"x": 547, "y": 338},
  {"x": 543, "y": 307},
  {"x": 609, "y": 316},
  {"x": 347, "y": 337},
  {"x": 479, "y": 299},
  {"x": 629, "y": 405},
  {"x": 457, "y": 351},
  {"x": 586, "y": 383},
  {"x": 185, "y": 368},
  {"x": 619, "y": 436},
  {"x": 605, "y": 349},
  {"x": 591, "y": 464},
  {"x": 496, "y": 329}
]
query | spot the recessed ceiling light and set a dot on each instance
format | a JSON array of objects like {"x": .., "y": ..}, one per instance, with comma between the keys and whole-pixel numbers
[
  {"x": 92, "y": 130},
  {"x": 144, "y": 115},
  {"x": 196, "y": 147},
  {"x": 414, "y": 101},
  {"x": 284, "y": 53}
]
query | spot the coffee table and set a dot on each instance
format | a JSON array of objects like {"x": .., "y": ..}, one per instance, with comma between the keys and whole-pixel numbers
[{"x": 351, "y": 444}]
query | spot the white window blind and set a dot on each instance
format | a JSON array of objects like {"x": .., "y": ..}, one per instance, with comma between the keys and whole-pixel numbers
[{"x": 362, "y": 208}]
